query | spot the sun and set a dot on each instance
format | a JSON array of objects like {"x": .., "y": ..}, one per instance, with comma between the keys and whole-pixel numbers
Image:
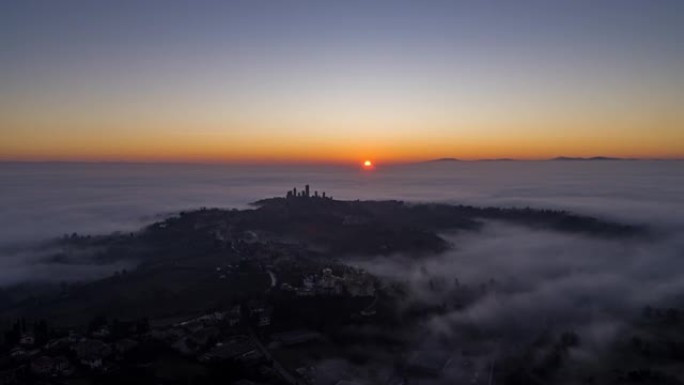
[{"x": 367, "y": 164}]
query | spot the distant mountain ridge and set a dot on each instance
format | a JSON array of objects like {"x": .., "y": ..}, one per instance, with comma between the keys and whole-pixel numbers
[
  {"x": 568, "y": 158},
  {"x": 442, "y": 160},
  {"x": 558, "y": 158}
]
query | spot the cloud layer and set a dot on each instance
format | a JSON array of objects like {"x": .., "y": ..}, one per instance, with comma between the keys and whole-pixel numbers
[
  {"x": 41, "y": 201},
  {"x": 529, "y": 280}
]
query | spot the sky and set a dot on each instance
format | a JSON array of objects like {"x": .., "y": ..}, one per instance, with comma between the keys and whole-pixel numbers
[{"x": 340, "y": 81}]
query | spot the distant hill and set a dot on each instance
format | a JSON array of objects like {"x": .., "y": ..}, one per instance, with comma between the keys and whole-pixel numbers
[
  {"x": 566, "y": 158},
  {"x": 443, "y": 160},
  {"x": 449, "y": 160},
  {"x": 558, "y": 158}
]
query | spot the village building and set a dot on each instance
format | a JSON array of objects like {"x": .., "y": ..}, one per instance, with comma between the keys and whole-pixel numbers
[
  {"x": 92, "y": 352},
  {"x": 42, "y": 366},
  {"x": 27, "y": 339}
]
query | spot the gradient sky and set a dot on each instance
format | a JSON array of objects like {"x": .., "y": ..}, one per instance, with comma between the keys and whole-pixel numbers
[{"x": 339, "y": 81}]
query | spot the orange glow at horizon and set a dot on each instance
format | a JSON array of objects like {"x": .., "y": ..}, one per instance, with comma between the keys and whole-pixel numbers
[
  {"x": 128, "y": 141},
  {"x": 249, "y": 83},
  {"x": 317, "y": 150}
]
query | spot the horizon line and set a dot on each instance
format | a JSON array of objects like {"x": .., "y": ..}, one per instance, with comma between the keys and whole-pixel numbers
[{"x": 598, "y": 158}]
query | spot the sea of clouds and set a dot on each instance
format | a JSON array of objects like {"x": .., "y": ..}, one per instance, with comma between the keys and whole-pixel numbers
[
  {"x": 544, "y": 279},
  {"x": 41, "y": 201}
]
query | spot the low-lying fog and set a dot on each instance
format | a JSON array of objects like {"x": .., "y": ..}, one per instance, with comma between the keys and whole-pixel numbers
[
  {"x": 534, "y": 282},
  {"x": 537, "y": 279},
  {"x": 540, "y": 279},
  {"x": 41, "y": 201}
]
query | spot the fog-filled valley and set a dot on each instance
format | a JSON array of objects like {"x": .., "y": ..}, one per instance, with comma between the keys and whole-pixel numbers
[
  {"x": 44, "y": 201},
  {"x": 49, "y": 199},
  {"x": 508, "y": 301}
]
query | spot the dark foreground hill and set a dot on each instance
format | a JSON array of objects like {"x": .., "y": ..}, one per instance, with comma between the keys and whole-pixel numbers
[
  {"x": 209, "y": 289},
  {"x": 174, "y": 259}
]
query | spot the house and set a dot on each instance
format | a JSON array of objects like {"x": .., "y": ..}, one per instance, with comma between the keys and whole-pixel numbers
[
  {"x": 287, "y": 287},
  {"x": 62, "y": 366},
  {"x": 168, "y": 335},
  {"x": 42, "y": 366},
  {"x": 27, "y": 339},
  {"x": 92, "y": 362},
  {"x": 233, "y": 321},
  {"x": 233, "y": 348},
  {"x": 185, "y": 346},
  {"x": 259, "y": 312},
  {"x": 102, "y": 332},
  {"x": 58, "y": 344},
  {"x": 308, "y": 282},
  {"x": 91, "y": 352},
  {"x": 255, "y": 307},
  {"x": 235, "y": 311},
  {"x": 17, "y": 353},
  {"x": 250, "y": 237},
  {"x": 264, "y": 319},
  {"x": 48, "y": 366},
  {"x": 195, "y": 342},
  {"x": 250, "y": 358},
  {"x": 92, "y": 347},
  {"x": 233, "y": 315}
]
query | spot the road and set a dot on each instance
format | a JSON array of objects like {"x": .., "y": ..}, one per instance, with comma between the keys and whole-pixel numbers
[
  {"x": 274, "y": 279},
  {"x": 276, "y": 365}
]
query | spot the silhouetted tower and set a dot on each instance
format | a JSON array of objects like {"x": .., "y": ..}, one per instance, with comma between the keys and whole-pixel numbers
[
  {"x": 306, "y": 189},
  {"x": 294, "y": 192}
]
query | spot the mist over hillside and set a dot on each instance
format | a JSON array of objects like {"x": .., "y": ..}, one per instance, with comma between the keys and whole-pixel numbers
[
  {"x": 557, "y": 299},
  {"x": 45, "y": 200},
  {"x": 42, "y": 201}
]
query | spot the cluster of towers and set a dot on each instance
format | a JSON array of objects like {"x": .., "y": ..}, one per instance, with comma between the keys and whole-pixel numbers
[{"x": 306, "y": 193}]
